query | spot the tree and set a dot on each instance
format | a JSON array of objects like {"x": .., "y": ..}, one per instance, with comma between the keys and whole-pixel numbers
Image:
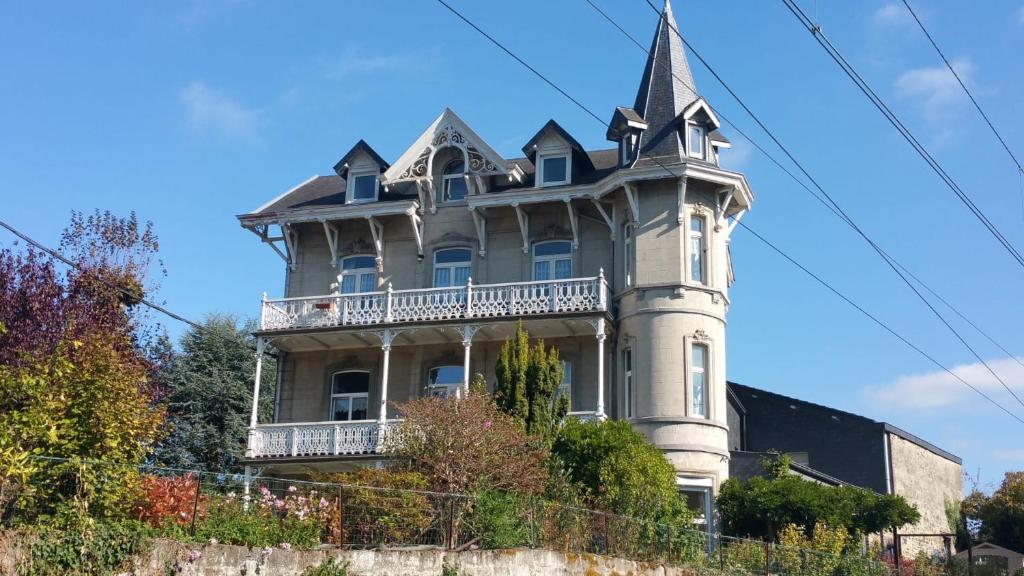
[
  {"x": 618, "y": 468},
  {"x": 1001, "y": 515},
  {"x": 762, "y": 506},
  {"x": 73, "y": 365},
  {"x": 208, "y": 386},
  {"x": 528, "y": 378}
]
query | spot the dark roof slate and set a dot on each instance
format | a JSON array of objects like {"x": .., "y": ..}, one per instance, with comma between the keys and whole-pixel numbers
[{"x": 340, "y": 167}]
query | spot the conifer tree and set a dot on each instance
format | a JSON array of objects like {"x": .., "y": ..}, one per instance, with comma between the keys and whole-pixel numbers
[{"x": 528, "y": 378}]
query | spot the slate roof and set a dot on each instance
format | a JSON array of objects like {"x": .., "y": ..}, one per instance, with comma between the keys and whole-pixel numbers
[{"x": 342, "y": 165}]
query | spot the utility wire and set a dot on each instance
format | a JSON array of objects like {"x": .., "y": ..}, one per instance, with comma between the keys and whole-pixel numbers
[
  {"x": 893, "y": 119},
  {"x": 964, "y": 86},
  {"x": 199, "y": 328},
  {"x": 671, "y": 173},
  {"x": 839, "y": 211}
]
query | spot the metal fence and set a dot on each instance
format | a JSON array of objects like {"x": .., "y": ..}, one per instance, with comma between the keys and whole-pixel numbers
[{"x": 196, "y": 504}]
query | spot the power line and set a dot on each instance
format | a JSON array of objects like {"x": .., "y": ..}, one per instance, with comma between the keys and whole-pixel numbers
[
  {"x": 200, "y": 328},
  {"x": 964, "y": 86},
  {"x": 893, "y": 119},
  {"x": 671, "y": 173},
  {"x": 837, "y": 209}
]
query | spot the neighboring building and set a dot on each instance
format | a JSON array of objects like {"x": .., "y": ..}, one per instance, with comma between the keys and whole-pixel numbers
[
  {"x": 404, "y": 277},
  {"x": 853, "y": 449},
  {"x": 1003, "y": 560}
]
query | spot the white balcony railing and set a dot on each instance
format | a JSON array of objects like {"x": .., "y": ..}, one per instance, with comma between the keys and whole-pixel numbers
[
  {"x": 318, "y": 439},
  {"x": 508, "y": 300}
]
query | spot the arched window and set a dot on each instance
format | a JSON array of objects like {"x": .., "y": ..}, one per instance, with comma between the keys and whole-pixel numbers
[
  {"x": 444, "y": 381},
  {"x": 452, "y": 267},
  {"x": 358, "y": 274},
  {"x": 552, "y": 260},
  {"x": 350, "y": 390},
  {"x": 453, "y": 182}
]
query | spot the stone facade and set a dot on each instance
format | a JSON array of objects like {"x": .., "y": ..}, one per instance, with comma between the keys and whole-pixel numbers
[{"x": 929, "y": 482}]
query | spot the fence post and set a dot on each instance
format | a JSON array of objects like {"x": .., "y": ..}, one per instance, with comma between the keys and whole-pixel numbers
[
  {"x": 721, "y": 554},
  {"x": 195, "y": 507},
  {"x": 341, "y": 515},
  {"x": 767, "y": 558},
  {"x": 451, "y": 522}
]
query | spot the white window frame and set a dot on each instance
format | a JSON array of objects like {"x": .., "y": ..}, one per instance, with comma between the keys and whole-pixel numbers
[
  {"x": 702, "y": 236},
  {"x": 446, "y": 180},
  {"x": 350, "y": 191},
  {"x": 629, "y": 254},
  {"x": 350, "y": 395},
  {"x": 627, "y": 380},
  {"x": 565, "y": 387},
  {"x": 551, "y": 259},
  {"x": 691, "y": 150},
  {"x": 358, "y": 273},
  {"x": 703, "y": 487},
  {"x": 548, "y": 156},
  {"x": 451, "y": 266},
  {"x": 449, "y": 390},
  {"x": 704, "y": 410}
]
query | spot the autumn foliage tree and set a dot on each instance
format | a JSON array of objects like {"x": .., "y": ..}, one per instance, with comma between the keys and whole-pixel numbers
[
  {"x": 528, "y": 378},
  {"x": 73, "y": 365}
]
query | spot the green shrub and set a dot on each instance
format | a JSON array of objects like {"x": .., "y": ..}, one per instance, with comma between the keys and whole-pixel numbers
[
  {"x": 382, "y": 506},
  {"x": 329, "y": 567},
  {"x": 501, "y": 520},
  {"x": 76, "y": 545}
]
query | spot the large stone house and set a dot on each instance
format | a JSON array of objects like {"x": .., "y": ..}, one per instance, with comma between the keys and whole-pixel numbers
[{"x": 404, "y": 277}]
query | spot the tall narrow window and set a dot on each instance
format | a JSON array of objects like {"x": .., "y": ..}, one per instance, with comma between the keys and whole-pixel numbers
[
  {"x": 552, "y": 260},
  {"x": 452, "y": 267},
  {"x": 627, "y": 363},
  {"x": 349, "y": 395},
  {"x": 565, "y": 388},
  {"x": 698, "y": 378},
  {"x": 628, "y": 254},
  {"x": 358, "y": 274},
  {"x": 698, "y": 247},
  {"x": 695, "y": 141},
  {"x": 362, "y": 188},
  {"x": 453, "y": 182},
  {"x": 444, "y": 381}
]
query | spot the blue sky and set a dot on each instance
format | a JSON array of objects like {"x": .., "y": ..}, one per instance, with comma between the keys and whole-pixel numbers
[{"x": 191, "y": 113}]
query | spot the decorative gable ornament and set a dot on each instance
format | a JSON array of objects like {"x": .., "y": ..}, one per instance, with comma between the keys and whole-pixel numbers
[{"x": 447, "y": 131}]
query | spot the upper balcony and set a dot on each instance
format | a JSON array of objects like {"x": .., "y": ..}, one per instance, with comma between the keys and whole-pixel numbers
[{"x": 571, "y": 296}]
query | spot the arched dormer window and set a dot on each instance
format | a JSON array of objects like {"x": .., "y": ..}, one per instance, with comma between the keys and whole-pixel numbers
[
  {"x": 358, "y": 274},
  {"x": 453, "y": 182},
  {"x": 350, "y": 391}
]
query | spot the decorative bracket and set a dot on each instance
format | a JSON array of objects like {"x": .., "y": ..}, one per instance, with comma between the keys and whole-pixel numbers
[
  {"x": 734, "y": 223},
  {"x": 524, "y": 227},
  {"x": 604, "y": 214},
  {"x": 573, "y": 223},
  {"x": 681, "y": 200},
  {"x": 598, "y": 325},
  {"x": 387, "y": 336},
  {"x": 291, "y": 243},
  {"x": 377, "y": 230},
  {"x": 480, "y": 222},
  {"x": 332, "y": 241},
  {"x": 417, "y": 232},
  {"x": 467, "y": 331},
  {"x": 723, "y": 207},
  {"x": 631, "y": 197},
  {"x": 425, "y": 191}
]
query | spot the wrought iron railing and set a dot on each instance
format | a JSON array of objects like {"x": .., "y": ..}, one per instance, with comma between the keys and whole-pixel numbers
[{"x": 508, "y": 300}]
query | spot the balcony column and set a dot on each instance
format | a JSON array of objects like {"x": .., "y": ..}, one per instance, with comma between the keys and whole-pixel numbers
[
  {"x": 467, "y": 332},
  {"x": 386, "y": 337},
  {"x": 261, "y": 345},
  {"x": 599, "y": 329}
]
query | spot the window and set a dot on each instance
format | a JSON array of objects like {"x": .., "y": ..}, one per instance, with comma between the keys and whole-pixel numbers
[
  {"x": 363, "y": 188},
  {"x": 627, "y": 363},
  {"x": 554, "y": 170},
  {"x": 565, "y": 388},
  {"x": 698, "y": 379},
  {"x": 444, "y": 381},
  {"x": 695, "y": 140},
  {"x": 626, "y": 148},
  {"x": 697, "y": 249},
  {"x": 628, "y": 255},
  {"x": 552, "y": 260},
  {"x": 453, "y": 182},
  {"x": 452, "y": 267},
  {"x": 697, "y": 492},
  {"x": 349, "y": 395},
  {"x": 358, "y": 274}
]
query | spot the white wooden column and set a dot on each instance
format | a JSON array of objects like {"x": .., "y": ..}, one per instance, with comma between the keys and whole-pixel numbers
[
  {"x": 261, "y": 345},
  {"x": 386, "y": 337},
  {"x": 467, "y": 333},
  {"x": 599, "y": 328}
]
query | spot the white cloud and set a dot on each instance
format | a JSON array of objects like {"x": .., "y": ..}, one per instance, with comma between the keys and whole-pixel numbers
[
  {"x": 355, "y": 61},
  {"x": 939, "y": 390},
  {"x": 1020, "y": 15},
  {"x": 1013, "y": 455},
  {"x": 211, "y": 111},
  {"x": 891, "y": 15},
  {"x": 937, "y": 93}
]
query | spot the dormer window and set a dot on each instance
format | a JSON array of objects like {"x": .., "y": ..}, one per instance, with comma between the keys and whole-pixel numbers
[
  {"x": 453, "y": 182},
  {"x": 695, "y": 135},
  {"x": 363, "y": 187},
  {"x": 554, "y": 170},
  {"x": 627, "y": 148}
]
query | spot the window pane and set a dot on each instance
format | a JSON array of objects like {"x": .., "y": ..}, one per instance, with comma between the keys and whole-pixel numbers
[
  {"x": 454, "y": 168},
  {"x": 554, "y": 169},
  {"x": 552, "y": 248},
  {"x": 452, "y": 255},
  {"x": 351, "y": 383},
  {"x": 356, "y": 262},
  {"x": 367, "y": 282},
  {"x": 348, "y": 284},
  {"x": 628, "y": 356},
  {"x": 540, "y": 271},
  {"x": 697, "y": 249},
  {"x": 339, "y": 410},
  {"x": 699, "y": 353},
  {"x": 442, "y": 277},
  {"x": 698, "y": 394},
  {"x": 445, "y": 375},
  {"x": 697, "y": 225},
  {"x": 454, "y": 188},
  {"x": 359, "y": 404},
  {"x": 365, "y": 187},
  {"x": 563, "y": 269},
  {"x": 461, "y": 276},
  {"x": 696, "y": 141}
]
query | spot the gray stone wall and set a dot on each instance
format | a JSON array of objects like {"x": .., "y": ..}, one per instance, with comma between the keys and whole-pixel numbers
[{"x": 927, "y": 481}]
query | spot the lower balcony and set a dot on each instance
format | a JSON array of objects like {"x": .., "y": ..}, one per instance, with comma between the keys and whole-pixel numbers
[{"x": 325, "y": 439}]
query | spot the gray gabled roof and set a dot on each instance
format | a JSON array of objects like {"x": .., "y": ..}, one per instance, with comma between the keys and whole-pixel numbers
[
  {"x": 342, "y": 166},
  {"x": 666, "y": 88}
]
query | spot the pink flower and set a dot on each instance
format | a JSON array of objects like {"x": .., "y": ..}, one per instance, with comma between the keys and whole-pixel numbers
[
  {"x": 323, "y": 503},
  {"x": 487, "y": 425},
  {"x": 292, "y": 488},
  {"x": 264, "y": 490},
  {"x": 286, "y": 546}
]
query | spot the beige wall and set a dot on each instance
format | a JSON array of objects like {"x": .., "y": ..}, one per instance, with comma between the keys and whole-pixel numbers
[{"x": 927, "y": 481}]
